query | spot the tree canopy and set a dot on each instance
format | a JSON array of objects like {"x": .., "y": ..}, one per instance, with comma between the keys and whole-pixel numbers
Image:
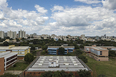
[
  {"x": 29, "y": 57},
  {"x": 61, "y": 50}
]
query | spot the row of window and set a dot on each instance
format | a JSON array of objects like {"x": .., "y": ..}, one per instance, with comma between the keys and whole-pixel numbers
[
  {"x": 11, "y": 61},
  {"x": 11, "y": 57}
]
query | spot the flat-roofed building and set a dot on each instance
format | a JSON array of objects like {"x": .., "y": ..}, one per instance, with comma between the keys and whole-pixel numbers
[
  {"x": 7, "y": 59},
  {"x": 53, "y": 50},
  {"x": 97, "y": 52},
  {"x": 21, "y": 50},
  {"x": 55, "y": 63}
]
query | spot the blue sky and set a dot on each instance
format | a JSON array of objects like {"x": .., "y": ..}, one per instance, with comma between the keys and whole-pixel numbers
[{"x": 60, "y": 17}]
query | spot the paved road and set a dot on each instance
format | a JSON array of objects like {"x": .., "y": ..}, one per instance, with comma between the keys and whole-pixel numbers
[{"x": 16, "y": 72}]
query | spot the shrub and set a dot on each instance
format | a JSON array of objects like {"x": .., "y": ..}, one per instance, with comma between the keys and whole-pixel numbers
[{"x": 83, "y": 58}]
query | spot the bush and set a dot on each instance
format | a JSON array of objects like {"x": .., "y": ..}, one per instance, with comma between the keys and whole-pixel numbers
[
  {"x": 78, "y": 52},
  {"x": 43, "y": 52},
  {"x": 83, "y": 58},
  {"x": 112, "y": 53},
  {"x": 29, "y": 57},
  {"x": 84, "y": 73}
]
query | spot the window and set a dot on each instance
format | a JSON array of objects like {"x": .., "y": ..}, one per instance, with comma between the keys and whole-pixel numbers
[{"x": 100, "y": 52}]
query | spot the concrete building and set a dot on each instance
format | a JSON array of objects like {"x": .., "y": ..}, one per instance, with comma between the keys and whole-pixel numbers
[
  {"x": 7, "y": 59},
  {"x": 53, "y": 50},
  {"x": 20, "y": 50},
  {"x": 97, "y": 52},
  {"x": 22, "y": 34},
  {"x": 1, "y": 34},
  {"x": 55, "y": 63},
  {"x": 11, "y": 34}
]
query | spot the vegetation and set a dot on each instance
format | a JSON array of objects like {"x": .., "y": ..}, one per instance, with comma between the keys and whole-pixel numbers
[
  {"x": 43, "y": 52},
  {"x": 112, "y": 53},
  {"x": 56, "y": 74},
  {"x": 84, "y": 73},
  {"x": 102, "y": 68},
  {"x": 61, "y": 50},
  {"x": 19, "y": 66},
  {"x": 83, "y": 58},
  {"x": 8, "y": 75},
  {"x": 29, "y": 58}
]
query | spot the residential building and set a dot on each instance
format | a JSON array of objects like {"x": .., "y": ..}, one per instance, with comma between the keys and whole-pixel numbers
[
  {"x": 7, "y": 59},
  {"x": 21, "y": 50},
  {"x": 55, "y": 63},
  {"x": 11, "y": 34},
  {"x": 22, "y": 34},
  {"x": 1, "y": 34},
  {"x": 53, "y": 50}
]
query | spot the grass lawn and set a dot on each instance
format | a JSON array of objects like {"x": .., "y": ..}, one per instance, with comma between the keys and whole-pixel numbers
[
  {"x": 19, "y": 66},
  {"x": 107, "y": 68}
]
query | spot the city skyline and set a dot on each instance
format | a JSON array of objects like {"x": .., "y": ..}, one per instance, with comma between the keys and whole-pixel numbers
[{"x": 72, "y": 17}]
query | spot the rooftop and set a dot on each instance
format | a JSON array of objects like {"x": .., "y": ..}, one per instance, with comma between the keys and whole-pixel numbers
[
  {"x": 7, "y": 54},
  {"x": 60, "y": 46},
  {"x": 16, "y": 47},
  {"x": 98, "y": 48},
  {"x": 66, "y": 63}
]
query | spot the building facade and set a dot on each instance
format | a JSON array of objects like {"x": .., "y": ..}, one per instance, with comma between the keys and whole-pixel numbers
[
  {"x": 22, "y": 34},
  {"x": 98, "y": 53},
  {"x": 7, "y": 59},
  {"x": 53, "y": 50},
  {"x": 20, "y": 50},
  {"x": 11, "y": 34},
  {"x": 1, "y": 34}
]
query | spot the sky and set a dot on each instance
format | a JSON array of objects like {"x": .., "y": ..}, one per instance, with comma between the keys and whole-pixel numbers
[{"x": 60, "y": 17}]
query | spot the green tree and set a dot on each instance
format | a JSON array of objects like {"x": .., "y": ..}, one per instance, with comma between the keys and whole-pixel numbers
[
  {"x": 61, "y": 50},
  {"x": 112, "y": 53},
  {"x": 44, "y": 47},
  {"x": 29, "y": 57},
  {"x": 78, "y": 52},
  {"x": 84, "y": 73},
  {"x": 83, "y": 58}
]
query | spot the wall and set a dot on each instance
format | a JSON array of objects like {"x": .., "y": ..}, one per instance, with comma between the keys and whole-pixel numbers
[{"x": 1, "y": 66}]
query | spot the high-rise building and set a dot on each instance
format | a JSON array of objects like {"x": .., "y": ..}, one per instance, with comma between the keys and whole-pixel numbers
[
  {"x": 11, "y": 34},
  {"x": 1, "y": 34},
  {"x": 22, "y": 34}
]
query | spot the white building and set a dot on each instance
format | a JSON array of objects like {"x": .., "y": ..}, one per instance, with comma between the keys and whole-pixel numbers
[
  {"x": 7, "y": 59},
  {"x": 11, "y": 34},
  {"x": 1, "y": 34},
  {"x": 22, "y": 34}
]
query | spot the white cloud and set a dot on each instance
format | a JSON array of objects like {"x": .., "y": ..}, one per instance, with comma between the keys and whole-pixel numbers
[
  {"x": 110, "y": 4},
  {"x": 57, "y": 8},
  {"x": 89, "y": 1},
  {"x": 21, "y": 19},
  {"x": 40, "y": 9},
  {"x": 83, "y": 20}
]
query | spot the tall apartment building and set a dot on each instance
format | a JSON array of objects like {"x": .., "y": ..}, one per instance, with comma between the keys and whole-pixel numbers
[
  {"x": 22, "y": 34},
  {"x": 7, "y": 59},
  {"x": 1, "y": 34},
  {"x": 11, "y": 34}
]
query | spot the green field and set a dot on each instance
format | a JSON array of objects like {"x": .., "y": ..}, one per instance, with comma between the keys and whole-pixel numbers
[
  {"x": 19, "y": 66},
  {"x": 107, "y": 68}
]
